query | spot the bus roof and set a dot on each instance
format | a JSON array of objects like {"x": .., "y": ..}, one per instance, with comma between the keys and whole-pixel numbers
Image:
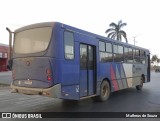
[{"x": 76, "y": 30}]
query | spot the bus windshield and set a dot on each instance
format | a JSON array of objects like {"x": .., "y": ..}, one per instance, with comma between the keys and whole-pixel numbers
[{"x": 32, "y": 40}]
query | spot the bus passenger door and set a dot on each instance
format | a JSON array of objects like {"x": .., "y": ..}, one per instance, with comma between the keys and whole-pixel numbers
[{"x": 87, "y": 70}]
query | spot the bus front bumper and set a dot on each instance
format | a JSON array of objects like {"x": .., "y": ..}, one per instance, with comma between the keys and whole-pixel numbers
[{"x": 54, "y": 91}]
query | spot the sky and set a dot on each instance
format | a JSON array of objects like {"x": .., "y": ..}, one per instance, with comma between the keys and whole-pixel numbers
[{"x": 142, "y": 17}]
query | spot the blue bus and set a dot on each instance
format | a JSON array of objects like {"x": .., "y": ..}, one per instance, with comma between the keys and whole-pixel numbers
[{"x": 60, "y": 61}]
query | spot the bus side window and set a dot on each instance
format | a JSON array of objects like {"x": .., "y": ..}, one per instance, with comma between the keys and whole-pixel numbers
[
  {"x": 105, "y": 51},
  {"x": 130, "y": 55},
  {"x": 143, "y": 57},
  {"x": 118, "y": 53},
  {"x": 136, "y": 56},
  {"x": 69, "y": 45},
  {"x": 126, "y": 54}
]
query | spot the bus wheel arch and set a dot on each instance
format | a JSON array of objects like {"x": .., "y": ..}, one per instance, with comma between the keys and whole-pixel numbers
[
  {"x": 106, "y": 79},
  {"x": 139, "y": 87},
  {"x": 105, "y": 90}
]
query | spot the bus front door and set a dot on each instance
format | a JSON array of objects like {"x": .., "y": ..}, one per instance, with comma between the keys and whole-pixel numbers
[{"x": 87, "y": 70}]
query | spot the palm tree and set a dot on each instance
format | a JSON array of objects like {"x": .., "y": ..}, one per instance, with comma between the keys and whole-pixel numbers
[{"x": 115, "y": 31}]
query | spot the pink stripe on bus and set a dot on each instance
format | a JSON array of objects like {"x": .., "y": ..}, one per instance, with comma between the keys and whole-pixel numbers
[{"x": 113, "y": 78}]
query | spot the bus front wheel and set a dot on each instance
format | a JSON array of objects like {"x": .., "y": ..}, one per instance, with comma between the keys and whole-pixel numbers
[
  {"x": 139, "y": 87},
  {"x": 104, "y": 92}
]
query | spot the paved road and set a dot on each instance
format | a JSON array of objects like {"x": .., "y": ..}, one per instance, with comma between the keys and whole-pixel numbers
[{"x": 128, "y": 100}]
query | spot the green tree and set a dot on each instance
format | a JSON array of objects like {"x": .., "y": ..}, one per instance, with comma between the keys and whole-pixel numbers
[
  {"x": 116, "y": 32},
  {"x": 158, "y": 61},
  {"x": 154, "y": 58}
]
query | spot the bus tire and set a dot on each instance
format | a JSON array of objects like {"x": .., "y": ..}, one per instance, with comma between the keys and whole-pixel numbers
[
  {"x": 139, "y": 87},
  {"x": 104, "y": 92}
]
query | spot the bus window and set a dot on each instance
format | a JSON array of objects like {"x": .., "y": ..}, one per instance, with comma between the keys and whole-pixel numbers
[
  {"x": 130, "y": 59},
  {"x": 143, "y": 60},
  {"x": 69, "y": 45},
  {"x": 130, "y": 51},
  {"x": 137, "y": 52},
  {"x": 115, "y": 48},
  {"x": 105, "y": 57},
  {"x": 101, "y": 46},
  {"x": 109, "y": 47},
  {"x": 142, "y": 57},
  {"x": 136, "y": 56},
  {"x": 128, "y": 55},
  {"x": 120, "y": 49},
  {"x": 136, "y": 59},
  {"x": 118, "y": 53},
  {"x": 142, "y": 53},
  {"x": 32, "y": 40},
  {"x": 125, "y": 53},
  {"x": 105, "y": 53}
]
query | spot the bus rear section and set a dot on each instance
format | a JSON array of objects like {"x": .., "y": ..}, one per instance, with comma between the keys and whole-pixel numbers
[
  {"x": 32, "y": 66},
  {"x": 34, "y": 75}
]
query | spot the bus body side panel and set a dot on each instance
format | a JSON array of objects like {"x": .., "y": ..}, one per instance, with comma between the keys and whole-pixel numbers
[
  {"x": 119, "y": 74},
  {"x": 65, "y": 72},
  {"x": 103, "y": 71},
  {"x": 128, "y": 70},
  {"x": 68, "y": 72},
  {"x": 70, "y": 79},
  {"x": 74, "y": 80},
  {"x": 138, "y": 71}
]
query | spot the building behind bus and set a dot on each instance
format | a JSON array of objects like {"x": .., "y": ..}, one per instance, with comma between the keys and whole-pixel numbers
[{"x": 3, "y": 57}]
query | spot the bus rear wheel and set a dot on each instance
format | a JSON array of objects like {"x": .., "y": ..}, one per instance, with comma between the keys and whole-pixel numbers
[
  {"x": 104, "y": 92},
  {"x": 139, "y": 87}
]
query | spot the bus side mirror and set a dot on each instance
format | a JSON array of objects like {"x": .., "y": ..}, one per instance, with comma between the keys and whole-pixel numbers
[{"x": 9, "y": 66}]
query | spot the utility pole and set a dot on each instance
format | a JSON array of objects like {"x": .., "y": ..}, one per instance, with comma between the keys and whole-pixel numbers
[{"x": 134, "y": 40}]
